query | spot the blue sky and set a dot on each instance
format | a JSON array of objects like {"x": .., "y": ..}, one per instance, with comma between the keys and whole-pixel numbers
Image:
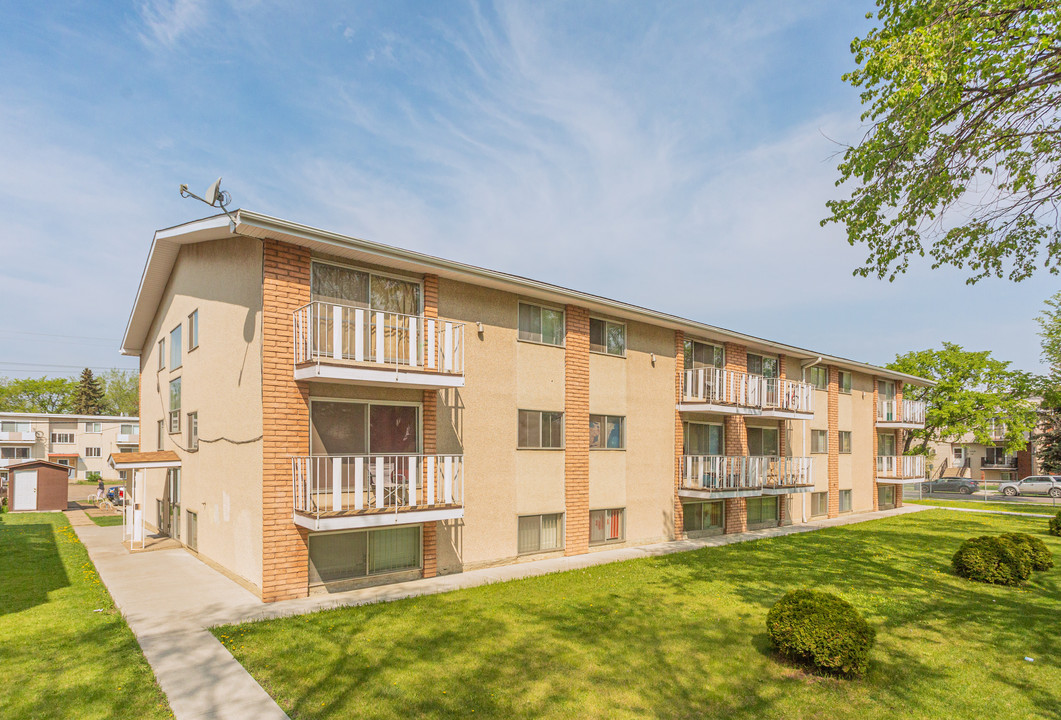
[{"x": 674, "y": 155}]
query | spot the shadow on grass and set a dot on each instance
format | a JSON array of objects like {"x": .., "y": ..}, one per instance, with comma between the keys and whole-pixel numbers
[{"x": 30, "y": 565}]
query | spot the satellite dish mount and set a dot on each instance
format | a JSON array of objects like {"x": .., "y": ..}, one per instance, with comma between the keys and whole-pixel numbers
[{"x": 215, "y": 197}]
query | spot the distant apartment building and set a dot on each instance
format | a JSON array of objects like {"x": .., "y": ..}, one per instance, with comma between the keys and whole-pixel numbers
[
  {"x": 968, "y": 458},
  {"x": 323, "y": 412},
  {"x": 81, "y": 442}
]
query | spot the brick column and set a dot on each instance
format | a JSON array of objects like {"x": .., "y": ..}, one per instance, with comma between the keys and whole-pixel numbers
[
  {"x": 679, "y": 434},
  {"x": 781, "y": 425},
  {"x": 576, "y": 430},
  {"x": 736, "y": 441},
  {"x": 834, "y": 441},
  {"x": 873, "y": 458},
  {"x": 285, "y": 422},
  {"x": 430, "y": 425}
]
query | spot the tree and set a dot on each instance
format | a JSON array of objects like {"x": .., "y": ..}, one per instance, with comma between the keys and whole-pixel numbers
[
  {"x": 963, "y": 156},
  {"x": 88, "y": 395},
  {"x": 1048, "y": 440},
  {"x": 36, "y": 395},
  {"x": 121, "y": 390},
  {"x": 972, "y": 390},
  {"x": 1050, "y": 340}
]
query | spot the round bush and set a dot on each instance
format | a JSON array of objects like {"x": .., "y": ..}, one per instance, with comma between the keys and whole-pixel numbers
[
  {"x": 1039, "y": 556},
  {"x": 821, "y": 630},
  {"x": 1055, "y": 524},
  {"x": 992, "y": 559}
]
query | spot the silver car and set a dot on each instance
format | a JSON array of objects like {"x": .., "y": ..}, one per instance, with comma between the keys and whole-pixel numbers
[{"x": 1033, "y": 485}]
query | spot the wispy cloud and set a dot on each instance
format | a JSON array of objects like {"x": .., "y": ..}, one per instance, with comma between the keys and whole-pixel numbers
[{"x": 165, "y": 21}]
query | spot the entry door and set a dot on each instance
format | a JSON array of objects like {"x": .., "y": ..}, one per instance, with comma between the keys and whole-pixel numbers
[{"x": 25, "y": 490}]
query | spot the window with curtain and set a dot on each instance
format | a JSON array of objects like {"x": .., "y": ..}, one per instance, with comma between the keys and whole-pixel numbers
[
  {"x": 819, "y": 441},
  {"x": 818, "y": 376},
  {"x": 607, "y": 337},
  {"x": 845, "y": 442},
  {"x": 701, "y": 516},
  {"x": 393, "y": 550},
  {"x": 607, "y": 526},
  {"x": 886, "y": 389},
  {"x": 541, "y": 324},
  {"x": 540, "y": 429},
  {"x": 539, "y": 533},
  {"x": 607, "y": 432},
  {"x": 702, "y": 439},
  {"x": 886, "y": 444},
  {"x": 762, "y": 365},
  {"x": 353, "y": 428},
  {"x": 819, "y": 503},
  {"x": 701, "y": 355},
  {"x": 762, "y": 510},
  {"x": 845, "y": 382},
  {"x": 845, "y": 501},
  {"x": 763, "y": 441}
]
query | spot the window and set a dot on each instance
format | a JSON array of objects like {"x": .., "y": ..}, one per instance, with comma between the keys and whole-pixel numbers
[
  {"x": 607, "y": 337},
  {"x": 607, "y": 526},
  {"x": 701, "y": 355},
  {"x": 819, "y": 441},
  {"x": 173, "y": 477},
  {"x": 14, "y": 453},
  {"x": 762, "y": 365},
  {"x": 162, "y": 354},
  {"x": 175, "y": 405},
  {"x": 129, "y": 429},
  {"x": 93, "y": 427},
  {"x": 995, "y": 455},
  {"x": 845, "y": 501},
  {"x": 702, "y": 517},
  {"x": 93, "y": 452},
  {"x": 819, "y": 503},
  {"x": 762, "y": 511},
  {"x": 349, "y": 286},
  {"x": 702, "y": 439},
  {"x": 123, "y": 475},
  {"x": 15, "y": 427},
  {"x": 845, "y": 442},
  {"x": 540, "y": 324},
  {"x": 538, "y": 533},
  {"x": 607, "y": 431},
  {"x": 193, "y": 330},
  {"x": 193, "y": 431},
  {"x": 175, "y": 348},
  {"x": 886, "y": 444},
  {"x": 161, "y": 433},
  {"x": 845, "y": 382},
  {"x": 818, "y": 376},
  {"x": 762, "y": 441},
  {"x": 361, "y": 428},
  {"x": 62, "y": 438},
  {"x": 886, "y": 389},
  {"x": 350, "y": 555},
  {"x": 540, "y": 429},
  {"x": 885, "y": 496}
]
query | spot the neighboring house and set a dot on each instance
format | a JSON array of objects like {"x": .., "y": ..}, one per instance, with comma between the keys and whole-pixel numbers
[
  {"x": 965, "y": 457},
  {"x": 346, "y": 413},
  {"x": 81, "y": 442}
]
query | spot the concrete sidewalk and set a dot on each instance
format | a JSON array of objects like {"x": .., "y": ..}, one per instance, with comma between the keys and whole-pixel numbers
[{"x": 169, "y": 598}]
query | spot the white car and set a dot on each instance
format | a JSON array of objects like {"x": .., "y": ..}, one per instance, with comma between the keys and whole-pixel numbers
[{"x": 1033, "y": 485}]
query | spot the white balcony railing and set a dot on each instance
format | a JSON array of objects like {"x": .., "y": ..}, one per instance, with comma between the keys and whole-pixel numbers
[
  {"x": 731, "y": 387},
  {"x": 743, "y": 472},
  {"x": 326, "y": 331},
  {"x": 127, "y": 439},
  {"x": 376, "y": 483},
  {"x": 6, "y": 462},
  {"x": 28, "y": 436},
  {"x": 909, "y": 411},
  {"x": 901, "y": 466}
]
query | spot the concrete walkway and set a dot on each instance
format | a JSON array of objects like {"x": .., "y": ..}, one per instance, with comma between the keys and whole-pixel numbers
[{"x": 169, "y": 598}]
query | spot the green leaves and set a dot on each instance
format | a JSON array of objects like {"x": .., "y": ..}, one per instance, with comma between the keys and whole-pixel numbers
[{"x": 962, "y": 160}]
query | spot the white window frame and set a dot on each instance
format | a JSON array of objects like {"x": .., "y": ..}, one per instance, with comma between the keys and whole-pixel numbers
[
  {"x": 175, "y": 412},
  {"x": 93, "y": 452},
  {"x": 58, "y": 437},
  {"x": 540, "y": 307},
  {"x": 607, "y": 323},
  {"x": 817, "y": 371},
  {"x": 193, "y": 430},
  {"x": 12, "y": 453},
  {"x": 93, "y": 428}
]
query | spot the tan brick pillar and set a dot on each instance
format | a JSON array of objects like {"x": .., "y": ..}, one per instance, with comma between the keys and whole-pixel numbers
[
  {"x": 834, "y": 441},
  {"x": 679, "y": 434},
  {"x": 576, "y": 430},
  {"x": 736, "y": 441},
  {"x": 876, "y": 449},
  {"x": 285, "y": 422},
  {"x": 430, "y": 425},
  {"x": 782, "y": 434}
]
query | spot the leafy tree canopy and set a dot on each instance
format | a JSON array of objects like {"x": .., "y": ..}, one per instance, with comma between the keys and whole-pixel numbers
[
  {"x": 972, "y": 389},
  {"x": 37, "y": 395},
  {"x": 121, "y": 392},
  {"x": 962, "y": 159}
]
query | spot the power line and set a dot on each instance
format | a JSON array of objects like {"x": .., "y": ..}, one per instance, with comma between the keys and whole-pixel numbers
[
  {"x": 61, "y": 337},
  {"x": 14, "y": 366}
]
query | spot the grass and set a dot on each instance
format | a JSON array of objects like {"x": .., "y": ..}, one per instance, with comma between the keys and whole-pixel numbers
[
  {"x": 106, "y": 520},
  {"x": 1044, "y": 510},
  {"x": 60, "y": 657},
  {"x": 683, "y": 636}
]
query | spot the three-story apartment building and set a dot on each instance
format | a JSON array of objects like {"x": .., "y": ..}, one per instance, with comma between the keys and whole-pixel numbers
[
  {"x": 81, "y": 442},
  {"x": 344, "y": 412}
]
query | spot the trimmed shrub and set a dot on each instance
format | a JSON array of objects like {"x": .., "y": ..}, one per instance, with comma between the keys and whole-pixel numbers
[
  {"x": 1055, "y": 524},
  {"x": 992, "y": 559},
  {"x": 821, "y": 630},
  {"x": 1039, "y": 556}
]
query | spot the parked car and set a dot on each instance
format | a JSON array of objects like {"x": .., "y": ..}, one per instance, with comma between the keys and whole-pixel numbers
[
  {"x": 116, "y": 494},
  {"x": 958, "y": 485},
  {"x": 1033, "y": 485}
]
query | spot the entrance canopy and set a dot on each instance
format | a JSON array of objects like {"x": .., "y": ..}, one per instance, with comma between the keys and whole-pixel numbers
[{"x": 144, "y": 460}]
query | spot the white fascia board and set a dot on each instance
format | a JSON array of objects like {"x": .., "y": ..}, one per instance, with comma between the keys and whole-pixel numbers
[
  {"x": 374, "y": 520},
  {"x": 145, "y": 465}
]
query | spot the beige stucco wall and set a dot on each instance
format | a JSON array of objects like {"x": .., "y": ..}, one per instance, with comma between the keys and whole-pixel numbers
[
  {"x": 221, "y": 380},
  {"x": 863, "y": 464}
]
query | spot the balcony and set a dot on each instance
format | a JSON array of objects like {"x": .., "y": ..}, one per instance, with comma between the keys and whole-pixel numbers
[
  {"x": 900, "y": 469},
  {"x": 347, "y": 344},
  {"x": 731, "y": 392},
  {"x": 341, "y": 492},
  {"x": 128, "y": 439},
  {"x": 907, "y": 414},
  {"x": 27, "y": 436},
  {"x": 998, "y": 463},
  {"x": 7, "y": 462},
  {"x": 726, "y": 476}
]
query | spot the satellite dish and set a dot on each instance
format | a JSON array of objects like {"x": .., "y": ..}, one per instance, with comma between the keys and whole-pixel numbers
[{"x": 213, "y": 193}]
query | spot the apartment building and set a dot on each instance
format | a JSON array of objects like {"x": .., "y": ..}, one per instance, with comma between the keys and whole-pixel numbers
[
  {"x": 966, "y": 457},
  {"x": 324, "y": 412},
  {"x": 81, "y": 442}
]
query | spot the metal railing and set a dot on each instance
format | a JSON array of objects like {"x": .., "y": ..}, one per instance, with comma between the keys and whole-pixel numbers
[
  {"x": 910, "y": 411},
  {"x": 1005, "y": 463},
  {"x": 732, "y": 387},
  {"x": 27, "y": 436},
  {"x": 327, "y": 331},
  {"x": 744, "y": 472},
  {"x": 345, "y": 483},
  {"x": 901, "y": 466}
]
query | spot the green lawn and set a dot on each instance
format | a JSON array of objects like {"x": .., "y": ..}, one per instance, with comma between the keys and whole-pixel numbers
[
  {"x": 60, "y": 658},
  {"x": 1046, "y": 510},
  {"x": 106, "y": 520},
  {"x": 683, "y": 636}
]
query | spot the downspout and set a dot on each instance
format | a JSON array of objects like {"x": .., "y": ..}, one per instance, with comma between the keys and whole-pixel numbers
[{"x": 803, "y": 365}]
